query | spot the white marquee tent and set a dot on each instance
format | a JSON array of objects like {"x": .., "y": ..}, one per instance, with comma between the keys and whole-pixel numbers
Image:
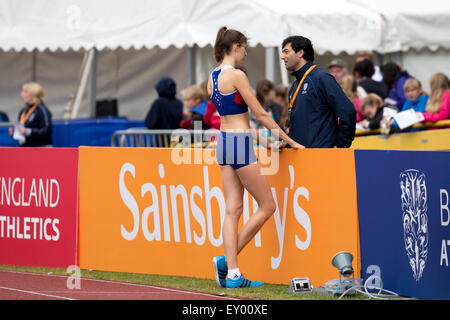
[{"x": 138, "y": 41}]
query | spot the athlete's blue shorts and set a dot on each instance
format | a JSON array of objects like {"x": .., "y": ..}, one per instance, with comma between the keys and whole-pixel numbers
[{"x": 235, "y": 149}]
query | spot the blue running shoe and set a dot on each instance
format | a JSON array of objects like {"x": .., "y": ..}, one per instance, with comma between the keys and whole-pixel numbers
[
  {"x": 220, "y": 270},
  {"x": 241, "y": 282}
]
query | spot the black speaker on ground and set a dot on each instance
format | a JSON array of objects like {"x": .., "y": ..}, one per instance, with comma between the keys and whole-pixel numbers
[{"x": 106, "y": 108}]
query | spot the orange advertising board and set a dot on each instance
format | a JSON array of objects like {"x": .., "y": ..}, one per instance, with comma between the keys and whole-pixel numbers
[{"x": 142, "y": 211}]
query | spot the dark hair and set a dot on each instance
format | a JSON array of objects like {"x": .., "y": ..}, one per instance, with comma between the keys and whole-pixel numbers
[
  {"x": 301, "y": 43},
  {"x": 225, "y": 40},
  {"x": 365, "y": 68},
  {"x": 390, "y": 72}
]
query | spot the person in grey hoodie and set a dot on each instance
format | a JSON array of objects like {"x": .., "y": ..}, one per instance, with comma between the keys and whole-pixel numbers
[{"x": 166, "y": 111}]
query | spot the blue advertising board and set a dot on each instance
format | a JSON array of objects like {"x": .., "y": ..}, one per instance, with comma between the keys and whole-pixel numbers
[
  {"x": 403, "y": 211},
  {"x": 80, "y": 132}
]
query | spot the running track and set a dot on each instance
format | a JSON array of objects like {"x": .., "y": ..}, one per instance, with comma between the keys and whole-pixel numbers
[{"x": 32, "y": 286}]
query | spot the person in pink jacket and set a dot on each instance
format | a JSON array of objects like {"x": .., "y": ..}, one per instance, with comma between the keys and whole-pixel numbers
[{"x": 438, "y": 105}]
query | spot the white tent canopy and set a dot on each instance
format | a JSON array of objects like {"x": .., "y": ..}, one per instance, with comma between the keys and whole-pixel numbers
[
  {"x": 75, "y": 24},
  {"x": 334, "y": 25},
  {"x": 412, "y": 24}
]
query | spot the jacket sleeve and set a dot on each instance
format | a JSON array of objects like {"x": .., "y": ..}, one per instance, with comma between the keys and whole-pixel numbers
[
  {"x": 343, "y": 108},
  {"x": 45, "y": 125},
  {"x": 375, "y": 122},
  {"x": 444, "y": 111}
]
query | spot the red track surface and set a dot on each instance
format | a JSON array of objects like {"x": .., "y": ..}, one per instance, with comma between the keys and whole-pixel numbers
[{"x": 32, "y": 286}]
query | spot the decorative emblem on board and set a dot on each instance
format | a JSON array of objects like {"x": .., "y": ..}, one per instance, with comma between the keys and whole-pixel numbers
[{"x": 415, "y": 219}]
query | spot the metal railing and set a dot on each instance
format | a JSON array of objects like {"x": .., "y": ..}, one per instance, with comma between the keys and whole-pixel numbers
[
  {"x": 421, "y": 126},
  {"x": 141, "y": 137}
]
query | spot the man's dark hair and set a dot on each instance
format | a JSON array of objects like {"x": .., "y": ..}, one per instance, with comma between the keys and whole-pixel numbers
[
  {"x": 390, "y": 72},
  {"x": 365, "y": 68},
  {"x": 301, "y": 43}
]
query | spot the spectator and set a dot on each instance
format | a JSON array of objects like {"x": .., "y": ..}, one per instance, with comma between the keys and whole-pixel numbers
[
  {"x": 166, "y": 111},
  {"x": 338, "y": 69},
  {"x": 417, "y": 99},
  {"x": 273, "y": 108},
  {"x": 372, "y": 107},
  {"x": 281, "y": 98},
  {"x": 368, "y": 55},
  {"x": 363, "y": 72},
  {"x": 265, "y": 93},
  {"x": 395, "y": 79},
  {"x": 193, "y": 97},
  {"x": 349, "y": 86},
  {"x": 34, "y": 128},
  {"x": 212, "y": 117},
  {"x": 438, "y": 105}
]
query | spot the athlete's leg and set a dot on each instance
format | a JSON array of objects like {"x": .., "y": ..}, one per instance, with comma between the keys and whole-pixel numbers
[
  {"x": 234, "y": 192},
  {"x": 258, "y": 186}
]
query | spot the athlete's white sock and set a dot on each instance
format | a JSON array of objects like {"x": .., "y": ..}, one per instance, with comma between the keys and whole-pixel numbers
[{"x": 234, "y": 274}]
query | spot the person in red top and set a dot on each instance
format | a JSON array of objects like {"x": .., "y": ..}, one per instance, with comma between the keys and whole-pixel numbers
[
  {"x": 349, "y": 86},
  {"x": 438, "y": 105},
  {"x": 212, "y": 117}
]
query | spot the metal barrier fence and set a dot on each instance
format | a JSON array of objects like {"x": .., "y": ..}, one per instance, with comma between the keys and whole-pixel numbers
[
  {"x": 420, "y": 126},
  {"x": 141, "y": 137}
]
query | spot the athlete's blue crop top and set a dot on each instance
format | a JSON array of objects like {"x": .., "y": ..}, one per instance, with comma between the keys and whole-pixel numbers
[{"x": 226, "y": 104}]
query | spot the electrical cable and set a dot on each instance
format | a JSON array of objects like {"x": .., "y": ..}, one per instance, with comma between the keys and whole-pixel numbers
[{"x": 390, "y": 296}]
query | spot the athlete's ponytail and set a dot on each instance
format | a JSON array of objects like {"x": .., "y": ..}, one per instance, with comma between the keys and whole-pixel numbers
[{"x": 225, "y": 40}]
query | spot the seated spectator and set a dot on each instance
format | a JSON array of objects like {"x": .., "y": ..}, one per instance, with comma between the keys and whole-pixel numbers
[
  {"x": 166, "y": 111},
  {"x": 34, "y": 120},
  {"x": 372, "y": 107},
  {"x": 395, "y": 79},
  {"x": 338, "y": 69},
  {"x": 367, "y": 54},
  {"x": 417, "y": 99},
  {"x": 438, "y": 105},
  {"x": 363, "y": 72},
  {"x": 349, "y": 86},
  {"x": 193, "y": 97}
]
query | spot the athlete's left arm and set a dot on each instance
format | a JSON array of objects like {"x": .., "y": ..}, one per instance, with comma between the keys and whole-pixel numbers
[{"x": 242, "y": 85}]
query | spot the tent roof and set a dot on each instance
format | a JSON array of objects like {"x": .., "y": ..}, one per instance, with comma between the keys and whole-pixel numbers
[
  {"x": 333, "y": 25},
  {"x": 75, "y": 24},
  {"x": 412, "y": 24}
]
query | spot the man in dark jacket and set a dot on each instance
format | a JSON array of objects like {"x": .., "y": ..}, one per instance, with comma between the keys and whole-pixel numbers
[
  {"x": 321, "y": 115},
  {"x": 166, "y": 111}
]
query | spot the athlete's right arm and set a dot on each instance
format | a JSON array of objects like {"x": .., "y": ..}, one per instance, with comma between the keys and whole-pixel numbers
[{"x": 242, "y": 84}]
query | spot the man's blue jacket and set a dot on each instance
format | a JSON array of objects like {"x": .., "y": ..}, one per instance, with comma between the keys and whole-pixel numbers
[{"x": 322, "y": 116}]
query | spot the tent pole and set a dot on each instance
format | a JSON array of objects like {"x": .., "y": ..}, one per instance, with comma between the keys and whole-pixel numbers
[
  {"x": 83, "y": 83},
  {"x": 270, "y": 63},
  {"x": 33, "y": 65},
  {"x": 92, "y": 84},
  {"x": 192, "y": 65},
  {"x": 283, "y": 71}
]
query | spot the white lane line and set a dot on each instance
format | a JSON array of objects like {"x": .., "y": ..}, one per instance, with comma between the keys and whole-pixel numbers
[
  {"x": 128, "y": 283},
  {"x": 37, "y": 293}
]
